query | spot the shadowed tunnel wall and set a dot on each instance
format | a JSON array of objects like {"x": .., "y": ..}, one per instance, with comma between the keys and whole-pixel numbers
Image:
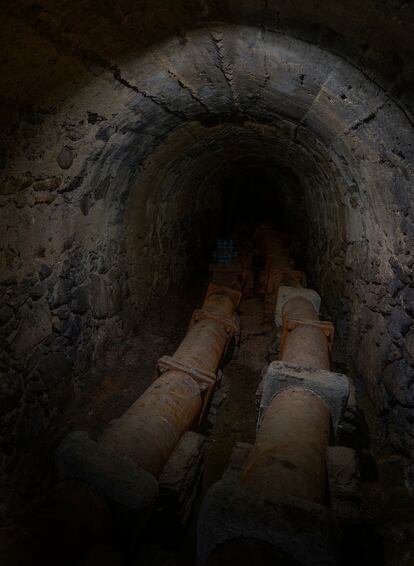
[{"x": 121, "y": 139}]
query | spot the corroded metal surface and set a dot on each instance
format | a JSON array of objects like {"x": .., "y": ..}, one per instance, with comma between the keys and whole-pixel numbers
[
  {"x": 306, "y": 346},
  {"x": 288, "y": 457},
  {"x": 149, "y": 430}
]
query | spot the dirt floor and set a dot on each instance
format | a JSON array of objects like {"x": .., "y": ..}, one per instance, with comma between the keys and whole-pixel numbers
[{"x": 236, "y": 416}]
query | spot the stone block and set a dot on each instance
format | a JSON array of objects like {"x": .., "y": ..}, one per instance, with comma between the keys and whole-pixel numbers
[
  {"x": 117, "y": 477},
  {"x": 332, "y": 387},
  {"x": 287, "y": 293},
  {"x": 344, "y": 483},
  {"x": 181, "y": 475},
  {"x": 232, "y": 513}
]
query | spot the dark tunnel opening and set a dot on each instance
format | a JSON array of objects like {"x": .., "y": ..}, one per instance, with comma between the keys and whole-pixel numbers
[{"x": 256, "y": 194}]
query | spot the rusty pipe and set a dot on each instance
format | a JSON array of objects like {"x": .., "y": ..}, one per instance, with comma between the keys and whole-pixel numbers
[
  {"x": 220, "y": 304},
  {"x": 203, "y": 346},
  {"x": 149, "y": 430},
  {"x": 307, "y": 346},
  {"x": 288, "y": 457}
]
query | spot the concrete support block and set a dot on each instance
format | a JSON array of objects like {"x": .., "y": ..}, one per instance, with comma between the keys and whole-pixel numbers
[
  {"x": 332, "y": 387},
  {"x": 290, "y": 528},
  {"x": 180, "y": 478},
  {"x": 117, "y": 477},
  {"x": 344, "y": 483},
  {"x": 287, "y": 293}
]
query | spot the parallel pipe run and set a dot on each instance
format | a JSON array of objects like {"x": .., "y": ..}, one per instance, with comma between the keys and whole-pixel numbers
[
  {"x": 307, "y": 347},
  {"x": 203, "y": 346},
  {"x": 282, "y": 484},
  {"x": 290, "y": 449}
]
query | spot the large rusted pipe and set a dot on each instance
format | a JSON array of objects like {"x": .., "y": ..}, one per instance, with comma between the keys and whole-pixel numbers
[
  {"x": 287, "y": 464},
  {"x": 203, "y": 346},
  {"x": 305, "y": 345},
  {"x": 149, "y": 430},
  {"x": 220, "y": 304},
  {"x": 288, "y": 458}
]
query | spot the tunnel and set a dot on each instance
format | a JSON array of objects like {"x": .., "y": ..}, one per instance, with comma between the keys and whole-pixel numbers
[{"x": 135, "y": 137}]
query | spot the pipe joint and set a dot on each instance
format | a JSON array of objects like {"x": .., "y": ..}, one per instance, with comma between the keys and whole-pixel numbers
[
  {"x": 205, "y": 380},
  {"x": 289, "y": 324},
  {"x": 333, "y": 388},
  {"x": 230, "y": 324},
  {"x": 285, "y": 294}
]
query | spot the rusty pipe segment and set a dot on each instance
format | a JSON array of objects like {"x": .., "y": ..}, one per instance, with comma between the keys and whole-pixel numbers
[
  {"x": 203, "y": 346},
  {"x": 220, "y": 304},
  {"x": 147, "y": 433},
  {"x": 288, "y": 457},
  {"x": 149, "y": 430},
  {"x": 277, "y": 498},
  {"x": 234, "y": 275},
  {"x": 297, "y": 308},
  {"x": 207, "y": 338},
  {"x": 287, "y": 464},
  {"x": 306, "y": 346},
  {"x": 233, "y": 294}
]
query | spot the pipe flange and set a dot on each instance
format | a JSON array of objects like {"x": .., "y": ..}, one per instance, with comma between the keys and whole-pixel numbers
[
  {"x": 231, "y": 325},
  {"x": 234, "y": 295},
  {"x": 289, "y": 324},
  {"x": 287, "y": 293},
  {"x": 204, "y": 379}
]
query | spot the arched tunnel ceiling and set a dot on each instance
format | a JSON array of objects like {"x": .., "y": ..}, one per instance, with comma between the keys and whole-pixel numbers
[
  {"x": 51, "y": 35},
  {"x": 228, "y": 89}
]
